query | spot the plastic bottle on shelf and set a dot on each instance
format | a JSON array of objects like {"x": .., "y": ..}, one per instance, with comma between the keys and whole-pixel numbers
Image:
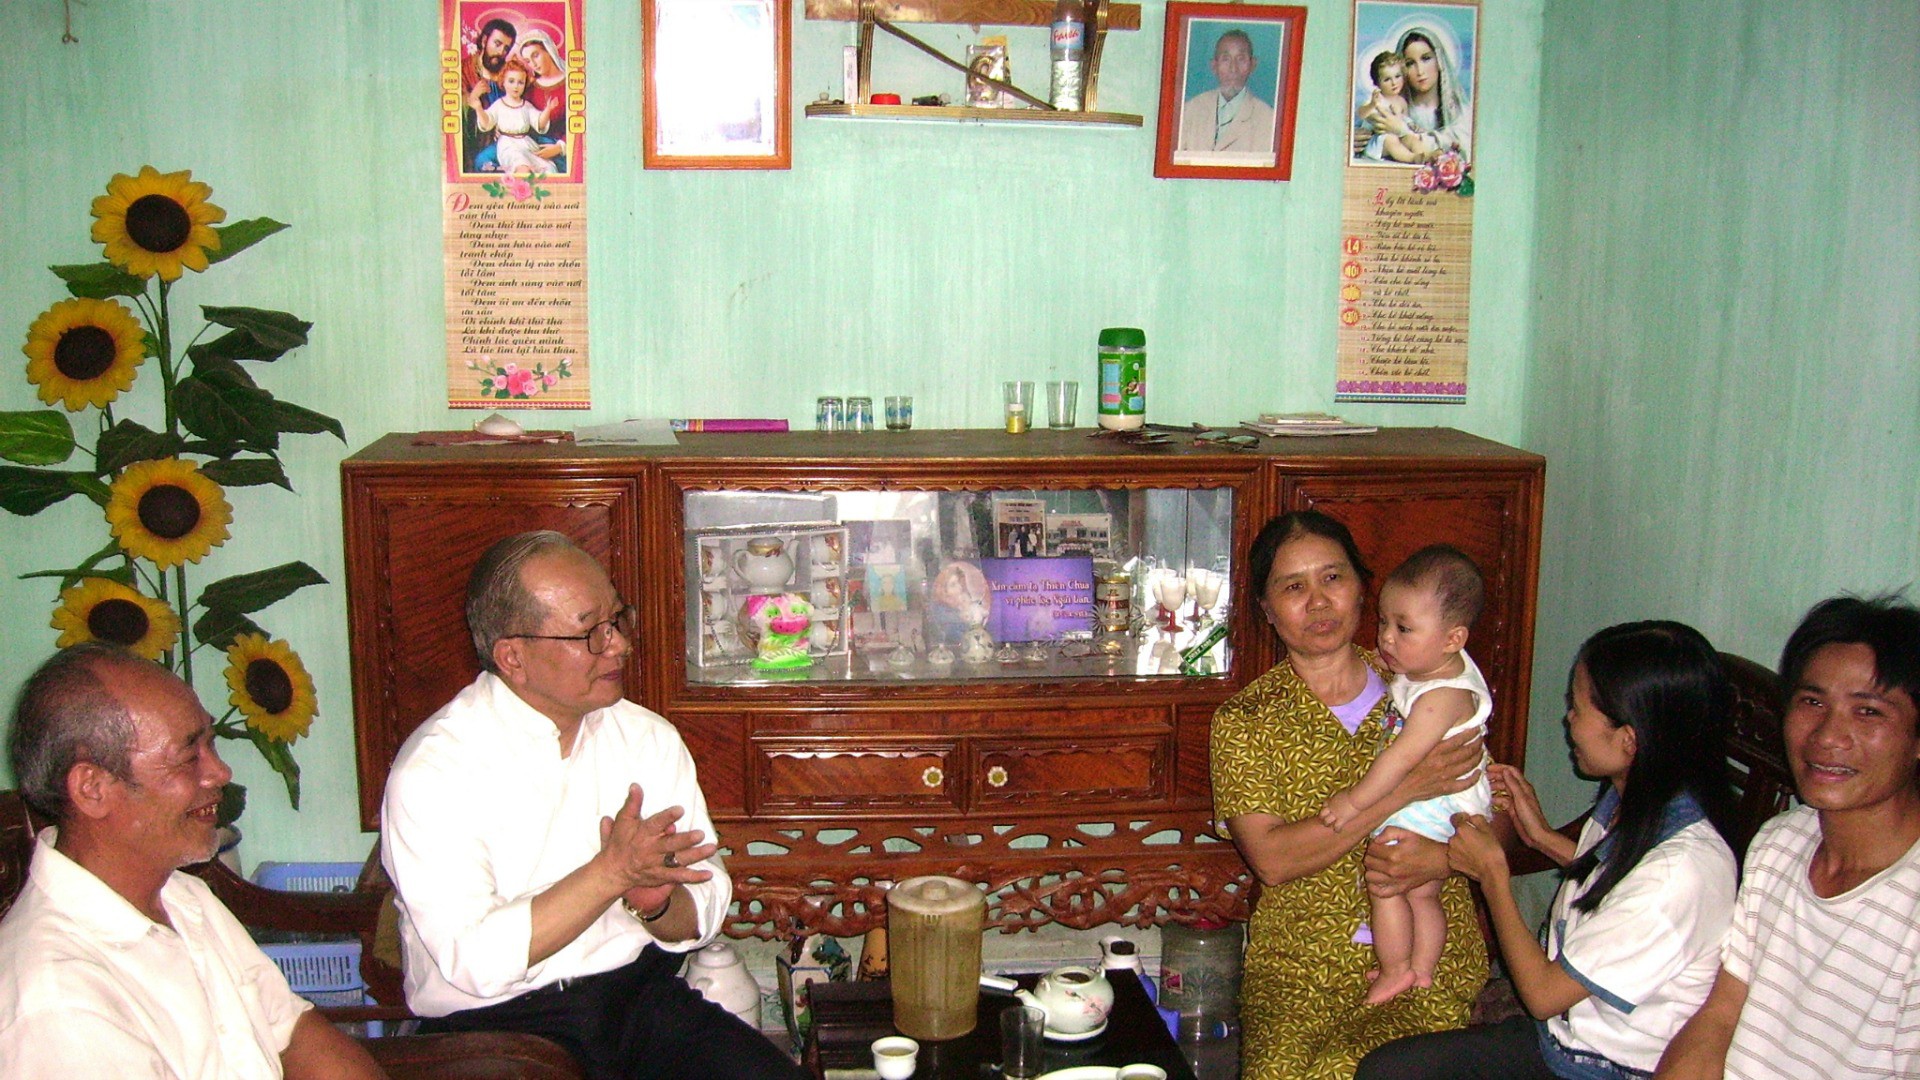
[
  {"x": 1069, "y": 51},
  {"x": 1123, "y": 378}
]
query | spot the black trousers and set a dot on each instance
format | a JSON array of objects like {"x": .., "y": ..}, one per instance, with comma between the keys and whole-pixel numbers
[
  {"x": 1509, "y": 1050},
  {"x": 639, "y": 1022}
]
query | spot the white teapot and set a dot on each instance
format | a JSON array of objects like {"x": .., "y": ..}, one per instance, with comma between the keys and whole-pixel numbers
[
  {"x": 765, "y": 565},
  {"x": 1075, "y": 999}
]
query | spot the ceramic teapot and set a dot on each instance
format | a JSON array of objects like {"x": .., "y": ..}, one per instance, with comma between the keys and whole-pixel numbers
[
  {"x": 1076, "y": 999},
  {"x": 765, "y": 565}
]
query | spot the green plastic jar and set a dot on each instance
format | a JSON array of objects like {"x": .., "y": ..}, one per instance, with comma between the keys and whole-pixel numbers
[{"x": 1123, "y": 378}]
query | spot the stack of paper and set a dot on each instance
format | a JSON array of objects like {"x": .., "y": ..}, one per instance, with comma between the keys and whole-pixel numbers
[{"x": 1305, "y": 424}]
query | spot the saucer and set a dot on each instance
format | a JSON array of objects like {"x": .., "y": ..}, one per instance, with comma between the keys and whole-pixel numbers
[{"x": 1061, "y": 1036}]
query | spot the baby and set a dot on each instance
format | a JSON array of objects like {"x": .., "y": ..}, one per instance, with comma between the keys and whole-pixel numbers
[
  {"x": 1426, "y": 607},
  {"x": 1386, "y": 113}
]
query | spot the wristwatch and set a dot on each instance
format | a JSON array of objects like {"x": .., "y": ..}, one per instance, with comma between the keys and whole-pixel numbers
[{"x": 642, "y": 916}]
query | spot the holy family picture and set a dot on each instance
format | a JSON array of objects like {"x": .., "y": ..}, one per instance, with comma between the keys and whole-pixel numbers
[{"x": 513, "y": 90}]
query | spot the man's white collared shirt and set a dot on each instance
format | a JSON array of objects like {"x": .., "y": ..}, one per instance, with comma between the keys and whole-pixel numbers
[
  {"x": 482, "y": 814},
  {"x": 91, "y": 987}
]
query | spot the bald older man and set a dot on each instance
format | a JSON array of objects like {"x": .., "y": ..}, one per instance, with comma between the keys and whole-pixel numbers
[
  {"x": 549, "y": 843},
  {"x": 112, "y": 962}
]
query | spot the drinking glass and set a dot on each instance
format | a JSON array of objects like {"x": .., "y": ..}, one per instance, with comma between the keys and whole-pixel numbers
[
  {"x": 859, "y": 414},
  {"x": 1019, "y": 397},
  {"x": 1023, "y": 1031},
  {"x": 900, "y": 412},
  {"x": 1063, "y": 400},
  {"x": 826, "y": 414}
]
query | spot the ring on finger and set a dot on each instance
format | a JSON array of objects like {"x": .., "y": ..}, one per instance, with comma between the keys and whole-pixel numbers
[{"x": 671, "y": 860}]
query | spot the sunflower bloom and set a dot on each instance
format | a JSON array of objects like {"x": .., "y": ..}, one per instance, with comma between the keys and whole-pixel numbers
[
  {"x": 166, "y": 512},
  {"x": 271, "y": 687},
  {"x": 84, "y": 352},
  {"x": 100, "y": 609},
  {"x": 157, "y": 223}
]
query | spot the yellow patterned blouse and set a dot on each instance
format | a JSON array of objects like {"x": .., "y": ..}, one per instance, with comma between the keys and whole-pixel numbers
[{"x": 1277, "y": 750}]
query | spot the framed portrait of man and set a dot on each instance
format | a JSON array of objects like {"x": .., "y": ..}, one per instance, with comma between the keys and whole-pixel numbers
[
  {"x": 1229, "y": 89},
  {"x": 718, "y": 84}
]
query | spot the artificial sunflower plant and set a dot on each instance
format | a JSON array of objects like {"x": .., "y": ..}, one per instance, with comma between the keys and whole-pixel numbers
[{"x": 161, "y": 485}]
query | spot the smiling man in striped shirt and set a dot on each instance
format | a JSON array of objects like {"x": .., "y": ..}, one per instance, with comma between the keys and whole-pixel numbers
[{"x": 1820, "y": 973}]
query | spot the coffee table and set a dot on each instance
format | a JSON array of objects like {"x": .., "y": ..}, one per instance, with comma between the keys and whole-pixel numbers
[{"x": 847, "y": 1017}]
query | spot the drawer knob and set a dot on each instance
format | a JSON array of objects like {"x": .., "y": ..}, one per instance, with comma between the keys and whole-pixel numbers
[
  {"x": 997, "y": 776},
  {"x": 933, "y": 777}
]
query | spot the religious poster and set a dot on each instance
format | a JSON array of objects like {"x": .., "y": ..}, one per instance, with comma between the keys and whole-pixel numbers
[
  {"x": 1407, "y": 220},
  {"x": 513, "y": 122}
]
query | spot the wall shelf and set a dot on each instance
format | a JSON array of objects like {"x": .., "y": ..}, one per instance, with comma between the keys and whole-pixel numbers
[
  {"x": 870, "y": 15},
  {"x": 967, "y": 114}
]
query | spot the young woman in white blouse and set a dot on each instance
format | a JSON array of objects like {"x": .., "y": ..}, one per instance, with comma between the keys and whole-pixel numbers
[{"x": 1632, "y": 942}]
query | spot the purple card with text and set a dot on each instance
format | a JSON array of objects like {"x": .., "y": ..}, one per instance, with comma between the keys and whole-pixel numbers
[{"x": 1039, "y": 599}]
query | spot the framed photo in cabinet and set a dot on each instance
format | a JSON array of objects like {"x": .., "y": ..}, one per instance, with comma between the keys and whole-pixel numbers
[
  {"x": 717, "y": 90},
  {"x": 1229, "y": 88}
]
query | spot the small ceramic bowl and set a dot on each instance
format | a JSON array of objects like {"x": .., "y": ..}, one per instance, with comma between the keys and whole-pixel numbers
[{"x": 894, "y": 1057}]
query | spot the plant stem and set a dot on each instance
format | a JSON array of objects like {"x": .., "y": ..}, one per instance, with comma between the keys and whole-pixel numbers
[
  {"x": 163, "y": 330},
  {"x": 180, "y": 605}
]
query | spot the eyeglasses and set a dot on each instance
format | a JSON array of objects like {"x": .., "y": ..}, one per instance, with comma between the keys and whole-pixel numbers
[
  {"x": 1231, "y": 442},
  {"x": 598, "y": 636}
]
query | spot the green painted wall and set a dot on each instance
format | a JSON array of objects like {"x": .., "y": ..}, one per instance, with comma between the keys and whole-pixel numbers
[
  {"x": 923, "y": 259},
  {"x": 1726, "y": 323}
]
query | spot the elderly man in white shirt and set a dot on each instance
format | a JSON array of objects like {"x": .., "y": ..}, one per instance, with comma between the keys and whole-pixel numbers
[
  {"x": 112, "y": 963},
  {"x": 549, "y": 843},
  {"x": 1230, "y": 119}
]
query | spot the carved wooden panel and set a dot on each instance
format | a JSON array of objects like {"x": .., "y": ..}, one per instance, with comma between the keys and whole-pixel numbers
[{"x": 1137, "y": 870}]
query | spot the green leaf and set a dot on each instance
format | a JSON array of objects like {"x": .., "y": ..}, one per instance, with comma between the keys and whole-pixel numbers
[
  {"x": 275, "y": 330},
  {"x": 233, "y": 803},
  {"x": 69, "y": 578},
  {"x": 247, "y": 472},
  {"x": 99, "y": 281},
  {"x": 292, "y": 418},
  {"x": 251, "y": 592},
  {"x": 222, "y": 409},
  {"x": 233, "y": 345},
  {"x": 41, "y": 437},
  {"x": 218, "y": 628},
  {"x": 240, "y": 236},
  {"x": 28, "y": 491},
  {"x": 127, "y": 442}
]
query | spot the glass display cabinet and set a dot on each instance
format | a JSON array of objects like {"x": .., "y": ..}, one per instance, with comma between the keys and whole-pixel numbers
[
  {"x": 933, "y": 586},
  {"x": 955, "y": 652}
]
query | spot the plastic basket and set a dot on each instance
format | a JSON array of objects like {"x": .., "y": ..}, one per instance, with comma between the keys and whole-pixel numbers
[
  {"x": 307, "y": 876},
  {"x": 325, "y": 972}
]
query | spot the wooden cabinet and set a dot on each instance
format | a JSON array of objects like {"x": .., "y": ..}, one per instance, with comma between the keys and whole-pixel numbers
[{"x": 1077, "y": 788}]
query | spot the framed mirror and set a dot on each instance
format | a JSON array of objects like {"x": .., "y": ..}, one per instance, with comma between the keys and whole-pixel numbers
[{"x": 718, "y": 84}]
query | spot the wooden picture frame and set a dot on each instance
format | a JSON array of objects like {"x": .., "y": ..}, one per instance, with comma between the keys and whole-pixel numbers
[
  {"x": 1211, "y": 45},
  {"x": 717, "y": 84}
]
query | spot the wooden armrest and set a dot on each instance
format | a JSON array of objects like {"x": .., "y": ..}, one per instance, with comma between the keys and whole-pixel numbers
[{"x": 473, "y": 1056}]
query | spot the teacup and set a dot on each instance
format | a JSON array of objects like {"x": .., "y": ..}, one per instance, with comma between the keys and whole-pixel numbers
[{"x": 895, "y": 1056}]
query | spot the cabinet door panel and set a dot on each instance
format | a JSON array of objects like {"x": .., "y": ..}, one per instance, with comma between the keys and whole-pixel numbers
[
  {"x": 407, "y": 589},
  {"x": 1492, "y": 517}
]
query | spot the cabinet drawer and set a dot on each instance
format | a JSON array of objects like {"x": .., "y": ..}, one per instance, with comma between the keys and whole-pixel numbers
[
  {"x": 876, "y": 774},
  {"x": 1043, "y": 772}
]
